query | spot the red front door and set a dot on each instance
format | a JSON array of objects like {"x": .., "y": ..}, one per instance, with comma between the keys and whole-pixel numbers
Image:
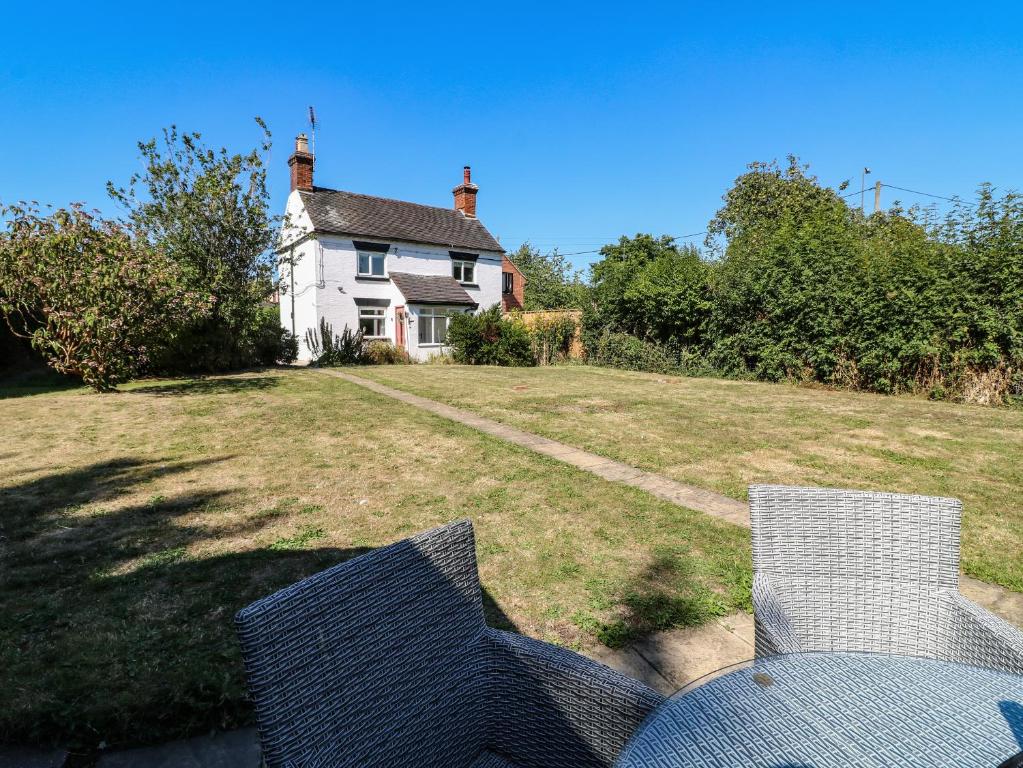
[{"x": 399, "y": 327}]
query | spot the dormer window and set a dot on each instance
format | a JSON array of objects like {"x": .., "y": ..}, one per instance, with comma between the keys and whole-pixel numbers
[
  {"x": 464, "y": 271},
  {"x": 463, "y": 267},
  {"x": 371, "y": 264},
  {"x": 371, "y": 259}
]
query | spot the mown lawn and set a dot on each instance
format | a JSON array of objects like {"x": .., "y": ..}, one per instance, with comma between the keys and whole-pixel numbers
[
  {"x": 133, "y": 526},
  {"x": 724, "y": 435}
]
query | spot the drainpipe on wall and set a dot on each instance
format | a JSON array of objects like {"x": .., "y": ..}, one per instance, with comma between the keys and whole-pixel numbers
[{"x": 292, "y": 271}]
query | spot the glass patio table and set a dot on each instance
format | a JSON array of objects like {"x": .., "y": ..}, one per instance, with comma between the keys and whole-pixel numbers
[{"x": 819, "y": 710}]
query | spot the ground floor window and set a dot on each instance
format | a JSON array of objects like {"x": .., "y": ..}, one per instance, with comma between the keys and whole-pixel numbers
[
  {"x": 371, "y": 322},
  {"x": 433, "y": 325}
]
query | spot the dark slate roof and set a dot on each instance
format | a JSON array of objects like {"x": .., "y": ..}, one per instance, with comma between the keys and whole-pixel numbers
[
  {"x": 430, "y": 289},
  {"x": 347, "y": 213}
]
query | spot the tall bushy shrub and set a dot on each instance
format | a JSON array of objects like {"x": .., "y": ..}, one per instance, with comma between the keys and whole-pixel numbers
[
  {"x": 265, "y": 342},
  {"x": 94, "y": 302},
  {"x": 487, "y": 338},
  {"x": 550, "y": 337},
  {"x": 622, "y": 350},
  {"x": 781, "y": 295},
  {"x": 649, "y": 287},
  {"x": 331, "y": 349}
]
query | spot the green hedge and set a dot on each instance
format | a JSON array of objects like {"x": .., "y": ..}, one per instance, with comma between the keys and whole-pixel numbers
[{"x": 800, "y": 286}]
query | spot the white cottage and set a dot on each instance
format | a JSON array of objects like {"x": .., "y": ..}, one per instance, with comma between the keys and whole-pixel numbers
[{"x": 396, "y": 270}]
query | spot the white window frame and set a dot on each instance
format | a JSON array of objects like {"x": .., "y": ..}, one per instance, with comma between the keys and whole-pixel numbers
[
  {"x": 458, "y": 267},
  {"x": 370, "y": 255},
  {"x": 432, "y": 313},
  {"x": 376, "y": 315}
]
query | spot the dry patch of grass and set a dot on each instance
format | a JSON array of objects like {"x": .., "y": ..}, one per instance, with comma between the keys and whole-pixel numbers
[
  {"x": 725, "y": 435},
  {"x": 134, "y": 525}
]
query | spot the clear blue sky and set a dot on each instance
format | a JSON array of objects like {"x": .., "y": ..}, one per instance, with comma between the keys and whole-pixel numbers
[{"x": 581, "y": 122}]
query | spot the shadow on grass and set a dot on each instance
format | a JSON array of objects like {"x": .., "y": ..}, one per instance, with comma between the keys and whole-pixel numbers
[
  {"x": 670, "y": 594},
  {"x": 114, "y": 628},
  {"x": 217, "y": 386},
  {"x": 29, "y": 507},
  {"x": 36, "y": 381}
]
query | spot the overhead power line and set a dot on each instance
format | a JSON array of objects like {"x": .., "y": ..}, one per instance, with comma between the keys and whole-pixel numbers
[
  {"x": 925, "y": 194},
  {"x": 597, "y": 250},
  {"x": 843, "y": 196}
]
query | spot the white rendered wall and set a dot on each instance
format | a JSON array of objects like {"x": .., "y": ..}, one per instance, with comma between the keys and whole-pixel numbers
[
  {"x": 298, "y": 292},
  {"x": 339, "y": 285}
]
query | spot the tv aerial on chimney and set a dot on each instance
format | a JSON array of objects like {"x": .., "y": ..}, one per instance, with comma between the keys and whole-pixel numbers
[{"x": 312, "y": 129}]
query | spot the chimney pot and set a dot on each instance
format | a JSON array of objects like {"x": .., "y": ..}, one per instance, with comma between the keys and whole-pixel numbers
[
  {"x": 301, "y": 143},
  {"x": 466, "y": 175}
]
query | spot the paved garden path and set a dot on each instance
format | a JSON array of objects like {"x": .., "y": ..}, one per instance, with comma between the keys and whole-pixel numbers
[{"x": 684, "y": 495}]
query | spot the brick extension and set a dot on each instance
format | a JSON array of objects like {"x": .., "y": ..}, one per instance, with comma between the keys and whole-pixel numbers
[{"x": 517, "y": 298}]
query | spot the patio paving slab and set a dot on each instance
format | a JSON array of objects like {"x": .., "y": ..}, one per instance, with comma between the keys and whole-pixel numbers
[
  {"x": 998, "y": 600},
  {"x": 668, "y": 661},
  {"x": 230, "y": 749}
]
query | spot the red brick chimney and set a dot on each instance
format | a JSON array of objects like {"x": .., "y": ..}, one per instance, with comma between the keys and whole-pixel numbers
[
  {"x": 465, "y": 194},
  {"x": 301, "y": 164}
]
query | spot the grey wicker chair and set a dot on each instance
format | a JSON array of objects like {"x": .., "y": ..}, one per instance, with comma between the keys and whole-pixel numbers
[
  {"x": 854, "y": 571},
  {"x": 385, "y": 660}
]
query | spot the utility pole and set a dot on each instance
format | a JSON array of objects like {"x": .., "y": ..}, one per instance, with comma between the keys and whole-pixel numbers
[
  {"x": 877, "y": 197},
  {"x": 863, "y": 189}
]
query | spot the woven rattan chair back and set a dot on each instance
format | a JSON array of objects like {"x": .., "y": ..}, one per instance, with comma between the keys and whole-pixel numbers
[
  {"x": 856, "y": 570},
  {"x": 371, "y": 663}
]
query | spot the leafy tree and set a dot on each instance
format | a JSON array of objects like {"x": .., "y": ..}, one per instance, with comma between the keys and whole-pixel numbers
[
  {"x": 93, "y": 302},
  {"x": 551, "y": 283},
  {"x": 209, "y": 212},
  {"x": 651, "y": 288},
  {"x": 781, "y": 293}
]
